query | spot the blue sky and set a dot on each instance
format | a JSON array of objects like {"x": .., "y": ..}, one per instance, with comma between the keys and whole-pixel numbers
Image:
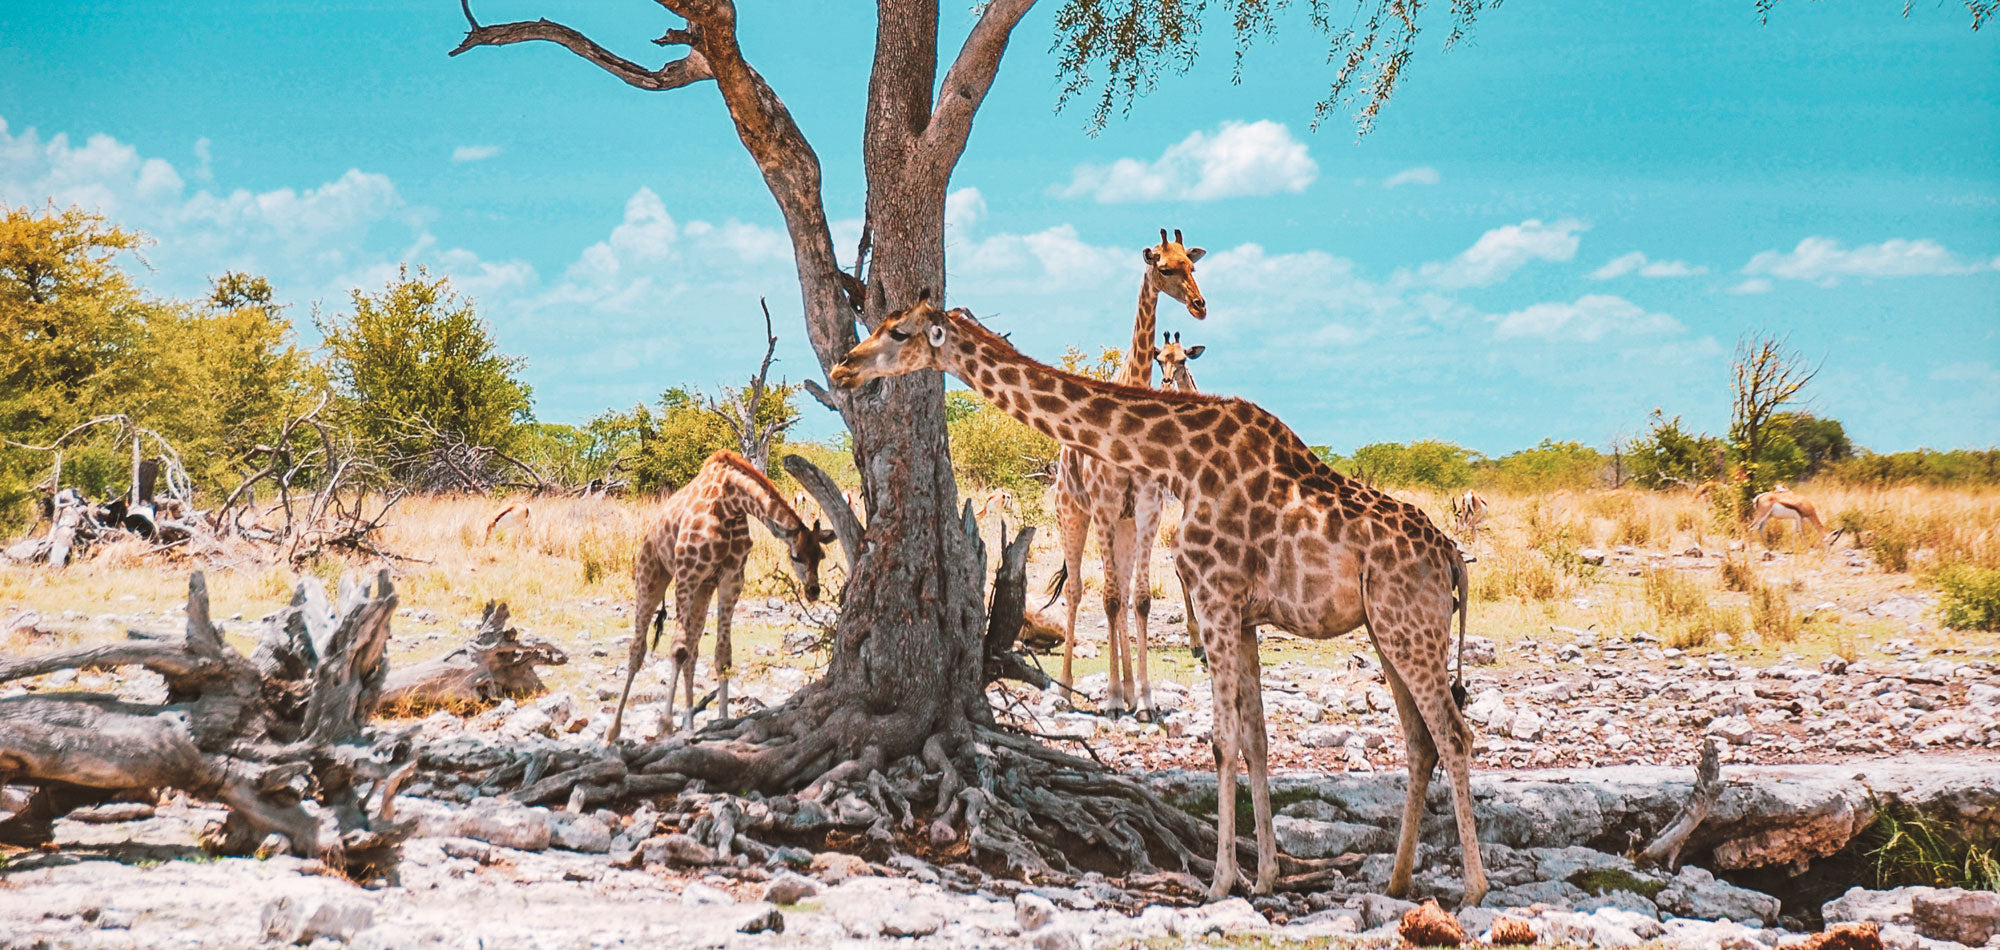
[{"x": 1559, "y": 225}]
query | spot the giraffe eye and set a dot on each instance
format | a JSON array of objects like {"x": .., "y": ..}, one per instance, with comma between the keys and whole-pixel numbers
[{"x": 898, "y": 335}]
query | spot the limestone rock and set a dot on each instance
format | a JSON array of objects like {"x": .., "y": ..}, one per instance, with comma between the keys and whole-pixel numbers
[
  {"x": 1234, "y": 915},
  {"x": 1379, "y": 909},
  {"x": 1696, "y": 893},
  {"x": 675, "y": 849},
  {"x": 583, "y": 833},
  {"x": 292, "y": 920},
  {"x": 761, "y": 918},
  {"x": 1033, "y": 911},
  {"x": 1969, "y": 917},
  {"x": 1310, "y": 838},
  {"x": 789, "y": 888}
]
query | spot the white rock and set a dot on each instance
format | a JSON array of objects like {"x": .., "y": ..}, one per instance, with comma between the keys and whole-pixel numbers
[{"x": 302, "y": 920}]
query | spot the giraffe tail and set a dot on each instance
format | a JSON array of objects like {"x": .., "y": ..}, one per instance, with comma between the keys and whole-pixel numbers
[
  {"x": 1056, "y": 586},
  {"x": 659, "y": 624}
]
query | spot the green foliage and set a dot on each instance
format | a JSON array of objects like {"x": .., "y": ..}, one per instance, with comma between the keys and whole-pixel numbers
[
  {"x": 991, "y": 449},
  {"x": 1823, "y": 442},
  {"x": 1669, "y": 455},
  {"x": 1439, "y": 466},
  {"x": 416, "y": 354},
  {"x": 1109, "y": 361},
  {"x": 1971, "y": 597},
  {"x": 1601, "y": 881},
  {"x": 1956, "y": 468},
  {"x": 672, "y": 443},
  {"x": 1912, "y": 849},
  {"x": 1549, "y": 466},
  {"x": 78, "y": 340}
]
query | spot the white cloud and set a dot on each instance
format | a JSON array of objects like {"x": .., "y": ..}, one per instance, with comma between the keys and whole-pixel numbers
[
  {"x": 474, "y": 153},
  {"x": 1755, "y": 285},
  {"x": 1421, "y": 175},
  {"x": 1502, "y": 251},
  {"x": 1823, "y": 261},
  {"x": 1238, "y": 159},
  {"x": 963, "y": 210},
  {"x": 1637, "y": 263},
  {"x": 1590, "y": 318}
]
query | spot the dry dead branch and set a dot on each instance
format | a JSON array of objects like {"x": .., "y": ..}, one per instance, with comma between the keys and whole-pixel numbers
[{"x": 495, "y": 664}]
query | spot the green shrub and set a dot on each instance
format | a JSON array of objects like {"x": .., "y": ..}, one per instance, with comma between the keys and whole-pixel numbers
[
  {"x": 1910, "y": 849},
  {"x": 991, "y": 449},
  {"x": 1971, "y": 597}
]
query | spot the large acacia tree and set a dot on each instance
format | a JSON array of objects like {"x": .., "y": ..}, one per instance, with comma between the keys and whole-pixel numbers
[{"x": 905, "y": 679}]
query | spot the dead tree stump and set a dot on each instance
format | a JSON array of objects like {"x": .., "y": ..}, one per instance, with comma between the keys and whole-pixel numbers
[
  {"x": 260, "y": 736},
  {"x": 495, "y": 664}
]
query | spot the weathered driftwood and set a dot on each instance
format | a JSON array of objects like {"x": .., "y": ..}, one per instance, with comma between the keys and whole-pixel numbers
[
  {"x": 1006, "y": 612},
  {"x": 258, "y": 735},
  {"x": 1666, "y": 849},
  {"x": 495, "y": 664}
]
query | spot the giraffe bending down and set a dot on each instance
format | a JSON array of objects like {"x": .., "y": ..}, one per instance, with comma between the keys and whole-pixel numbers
[
  {"x": 1271, "y": 535},
  {"x": 699, "y": 545},
  {"x": 1123, "y": 506},
  {"x": 1468, "y": 511}
]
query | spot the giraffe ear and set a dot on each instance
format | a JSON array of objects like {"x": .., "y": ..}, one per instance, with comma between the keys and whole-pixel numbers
[
  {"x": 1194, "y": 352},
  {"x": 1151, "y": 254},
  {"x": 1197, "y": 253},
  {"x": 937, "y": 335}
]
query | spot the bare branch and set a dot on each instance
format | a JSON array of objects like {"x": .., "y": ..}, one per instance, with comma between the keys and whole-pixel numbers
[
  {"x": 821, "y": 486},
  {"x": 687, "y": 70},
  {"x": 965, "y": 87}
]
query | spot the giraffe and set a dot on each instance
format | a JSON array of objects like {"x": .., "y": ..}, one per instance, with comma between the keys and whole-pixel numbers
[
  {"x": 1173, "y": 360},
  {"x": 1271, "y": 535},
  {"x": 699, "y": 544},
  {"x": 1468, "y": 512},
  {"x": 1123, "y": 506}
]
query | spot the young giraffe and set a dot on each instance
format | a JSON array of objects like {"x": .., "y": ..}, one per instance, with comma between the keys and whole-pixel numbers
[
  {"x": 699, "y": 545},
  {"x": 1124, "y": 507},
  {"x": 1271, "y": 535}
]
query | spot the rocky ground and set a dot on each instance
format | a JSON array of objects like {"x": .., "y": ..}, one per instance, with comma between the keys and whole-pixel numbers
[{"x": 1587, "y": 738}]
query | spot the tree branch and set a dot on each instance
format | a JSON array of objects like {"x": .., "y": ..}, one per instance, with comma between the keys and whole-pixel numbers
[
  {"x": 687, "y": 70},
  {"x": 846, "y": 525},
  {"x": 965, "y": 86}
]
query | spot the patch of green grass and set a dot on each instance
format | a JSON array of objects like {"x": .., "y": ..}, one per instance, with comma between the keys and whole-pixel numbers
[
  {"x": 1911, "y": 849},
  {"x": 1971, "y": 597},
  {"x": 1601, "y": 881}
]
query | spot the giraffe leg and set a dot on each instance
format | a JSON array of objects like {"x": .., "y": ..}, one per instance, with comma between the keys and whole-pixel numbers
[
  {"x": 726, "y": 592},
  {"x": 1114, "y": 544},
  {"x": 1146, "y": 522},
  {"x": 1218, "y": 614},
  {"x": 649, "y": 584},
  {"x": 692, "y": 606},
  {"x": 1254, "y": 738},
  {"x": 1423, "y": 757},
  {"x": 1075, "y": 524},
  {"x": 1414, "y": 639}
]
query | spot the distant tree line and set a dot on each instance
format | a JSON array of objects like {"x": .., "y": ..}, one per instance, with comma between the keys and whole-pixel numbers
[{"x": 412, "y": 382}]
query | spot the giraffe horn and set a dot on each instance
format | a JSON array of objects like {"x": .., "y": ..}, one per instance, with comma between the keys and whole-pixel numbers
[
  {"x": 1163, "y": 235},
  {"x": 1177, "y": 236}
]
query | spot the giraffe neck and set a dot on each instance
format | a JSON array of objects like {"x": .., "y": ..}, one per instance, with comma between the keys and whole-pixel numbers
[
  {"x": 750, "y": 493},
  {"x": 1138, "y": 368},
  {"x": 1111, "y": 421}
]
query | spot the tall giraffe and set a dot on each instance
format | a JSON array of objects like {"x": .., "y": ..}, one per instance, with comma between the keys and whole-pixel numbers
[
  {"x": 1124, "y": 507},
  {"x": 1271, "y": 535},
  {"x": 699, "y": 544}
]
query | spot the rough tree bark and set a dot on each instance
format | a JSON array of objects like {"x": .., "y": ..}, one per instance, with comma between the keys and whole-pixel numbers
[{"x": 494, "y": 664}]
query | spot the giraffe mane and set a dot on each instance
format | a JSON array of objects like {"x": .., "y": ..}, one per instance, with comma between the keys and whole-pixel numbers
[
  {"x": 965, "y": 321},
  {"x": 739, "y": 463}
]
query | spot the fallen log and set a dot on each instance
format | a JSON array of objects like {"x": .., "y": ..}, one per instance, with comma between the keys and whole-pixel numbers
[
  {"x": 495, "y": 664},
  {"x": 260, "y": 736}
]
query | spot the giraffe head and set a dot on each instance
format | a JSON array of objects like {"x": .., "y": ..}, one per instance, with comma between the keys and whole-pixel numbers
[
  {"x": 1173, "y": 358},
  {"x": 910, "y": 339},
  {"x": 807, "y": 547},
  {"x": 1170, "y": 270}
]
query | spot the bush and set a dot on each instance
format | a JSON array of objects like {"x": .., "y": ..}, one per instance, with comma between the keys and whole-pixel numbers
[
  {"x": 1669, "y": 455},
  {"x": 1680, "y": 609},
  {"x": 991, "y": 449},
  {"x": 1549, "y": 466},
  {"x": 1438, "y": 466},
  {"x": 1737, "y": 575},
  {"x": 1971, "y": 598}
]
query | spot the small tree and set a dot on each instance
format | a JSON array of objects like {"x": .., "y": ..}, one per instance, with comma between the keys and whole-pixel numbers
[
  {"x": 744, "y": 410},
  {"x": 1669, "y": 455},
  {"x": 421, "y": 372},
  {"x": 1766, "y": 375}
]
